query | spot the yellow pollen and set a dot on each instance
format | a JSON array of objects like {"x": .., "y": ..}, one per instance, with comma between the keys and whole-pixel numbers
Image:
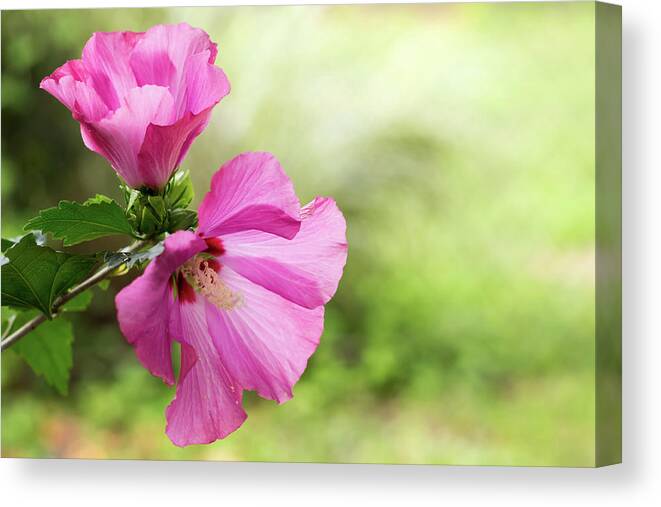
[{"x": 206, "y": 281}]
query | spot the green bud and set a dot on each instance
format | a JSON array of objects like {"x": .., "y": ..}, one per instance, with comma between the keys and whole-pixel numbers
[
  {"x": 179, "y": 190},
  {"x": 153, "y": 212},
  {"x": 148, "y": 223},
  {"x": 157, "y": 205},
  {"x": 182, "y": 219}
]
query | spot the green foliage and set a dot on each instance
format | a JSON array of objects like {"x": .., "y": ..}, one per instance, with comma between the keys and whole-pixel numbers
[
  {"x": 37, "y": 236},
  {"x": 147, "y": 214},
  {"x": 7, "y": 243},
  {"x": 79, "y": 303},
  {"x": 179, "y": 192},
  {"x": 103, "y": 284},
  {"x": 182, "y": 219},
  {"x": 47, "y": 349},
  {"x": 151, "y": 213},
  {"x": 35, "y": 276},
  {"x": 74, "y": 222}
]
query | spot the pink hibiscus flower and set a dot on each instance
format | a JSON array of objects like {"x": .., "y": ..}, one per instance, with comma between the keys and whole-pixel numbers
[
  {"x": 244, "y": 296},
  {"x": 142, "y": 98}
]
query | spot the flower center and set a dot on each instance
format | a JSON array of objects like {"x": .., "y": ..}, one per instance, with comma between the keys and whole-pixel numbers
[{"x": 202, "y": 274}]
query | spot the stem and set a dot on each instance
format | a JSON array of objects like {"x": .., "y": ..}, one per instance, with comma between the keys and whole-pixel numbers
[{"x": 81, "y": 287}]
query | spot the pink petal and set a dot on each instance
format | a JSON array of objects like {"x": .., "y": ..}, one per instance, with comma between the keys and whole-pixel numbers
[
  {"x": 165, "y": 146},
  {"x": 151, "y": 64},
  {"x": 71, "y": 85},
  {"x": 207, "y": 406},
  {"x": 106, "y": 57},
  {"x": 174, "y": 43},
  {"x": 305, "y": 270},
  {"x": 203, "y": 85},
  {"x": 250, "y": 191},
  {"x": 265, "y": 341},
  {"x": 130, "y": 88},
  {"x": 144, "y": 308},
  {"x": 119, "y": 137}
]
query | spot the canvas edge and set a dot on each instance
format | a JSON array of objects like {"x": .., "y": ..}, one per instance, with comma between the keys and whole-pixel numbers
[{"x": 608, "y": 232}]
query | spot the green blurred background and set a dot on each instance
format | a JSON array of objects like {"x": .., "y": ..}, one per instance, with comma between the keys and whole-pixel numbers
[{"x": 458, "y": 141}]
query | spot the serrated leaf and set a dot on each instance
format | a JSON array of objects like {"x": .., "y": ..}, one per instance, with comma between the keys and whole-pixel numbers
[
  {"x": 47, "y": 349},
  {"x": 74, "y": 223},
  {"x": 36, "y": 275}
]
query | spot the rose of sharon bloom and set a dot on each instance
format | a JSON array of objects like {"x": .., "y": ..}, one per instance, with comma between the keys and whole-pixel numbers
[
  {"x": 244, "y": 296},
  {"x": 142, "y": 98}
]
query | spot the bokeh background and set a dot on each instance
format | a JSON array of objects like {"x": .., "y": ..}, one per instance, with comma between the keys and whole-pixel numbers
[{"x": 458, "y": 141}]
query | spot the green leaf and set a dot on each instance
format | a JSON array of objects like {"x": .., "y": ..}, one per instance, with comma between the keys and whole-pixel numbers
[
  {"x": 179, "y": 190},
  {"x": 74, "y": 222},
  {"x": 157, "y": 205},
  {"x": 39, "y": 239},
  {"x": 152, "y": 213},
  {"x": 79, "y": 303},
  {"x": 7, "y": 243},
  {"x": 36, "y": 275},
  {"x": 130, "y": 196},
  {"x": 182, "y": 219},
  {"x": 98, "y": 198},
  {"x": 7, "y": 320},
  {"x": 83, "y": 300},
  {"x": 47, "y": 349}
]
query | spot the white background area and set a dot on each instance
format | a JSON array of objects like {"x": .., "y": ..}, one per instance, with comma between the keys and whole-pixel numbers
[{"x": 636, "y": 482}]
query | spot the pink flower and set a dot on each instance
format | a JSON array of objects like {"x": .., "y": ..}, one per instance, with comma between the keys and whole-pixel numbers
[
  {"x": 142, "y": 98},
  {"x": 243, "y": 296}
]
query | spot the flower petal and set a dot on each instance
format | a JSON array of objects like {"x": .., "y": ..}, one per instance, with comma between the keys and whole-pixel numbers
[
  {"x": 144, "y": 308},
  {"x": 151, "y": 64},
  {"x": 181, "y": 58},
  {"x": 207, "y": 405},
  {"x": 250, "y": 191},
  {"x": 203, "y": 85},
  {"x": 306, "y": 269},
  {"x": 129, "y": 87},
  {"x": 119, "y": 137},
  {"x": 71, "y": 85},
  {"x": 106, "y": 57},
  {"x": 265, "y": 341},
  {"x": 176, "y": 43},
  {"x": 164, "y": 147}
]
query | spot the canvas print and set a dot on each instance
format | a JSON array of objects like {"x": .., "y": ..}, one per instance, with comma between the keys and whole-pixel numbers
[{"x": 354, "y": 234}]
